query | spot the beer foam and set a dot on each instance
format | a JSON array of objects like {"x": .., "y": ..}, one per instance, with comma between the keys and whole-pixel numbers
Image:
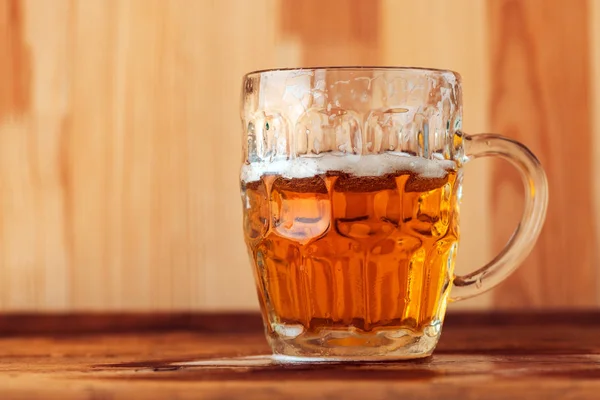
[{"x": 358, "y": 165}]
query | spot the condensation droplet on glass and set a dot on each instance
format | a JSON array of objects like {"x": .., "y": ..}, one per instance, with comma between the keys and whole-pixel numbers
[
  {"x": 267, "y": 126},
  {"x": 328, "y": 107},
  {"x": 479, "y": 282},
  {"x": 432, "y": 330},
  {"x": 307, "y": 131}
]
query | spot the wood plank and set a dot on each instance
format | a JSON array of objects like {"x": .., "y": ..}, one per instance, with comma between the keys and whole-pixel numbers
[
  {"x": 247, "y": 41},
  {"x": 31, "y": 211},
  {"x": 119, "y": 134},
  {"x": 451, "y": 35},
  {"x": 594, "y": 49},
  {"x": 119, "y": 138},
  {"x": 476, "y": 358},
  {"x": 540, "y": 72}
]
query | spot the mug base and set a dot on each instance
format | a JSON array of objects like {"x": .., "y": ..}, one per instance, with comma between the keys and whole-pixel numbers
[{"x": 353, "y": 345}]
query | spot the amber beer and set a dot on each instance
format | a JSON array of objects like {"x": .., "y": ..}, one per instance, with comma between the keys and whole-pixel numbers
[{"x": 370, "y": 249}]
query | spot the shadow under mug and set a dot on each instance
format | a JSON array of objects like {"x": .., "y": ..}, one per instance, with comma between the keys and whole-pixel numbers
[{"x": 351, "y": 186}]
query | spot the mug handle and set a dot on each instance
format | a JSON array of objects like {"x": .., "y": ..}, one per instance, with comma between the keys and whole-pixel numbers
[{"x": 525, "y": 235}]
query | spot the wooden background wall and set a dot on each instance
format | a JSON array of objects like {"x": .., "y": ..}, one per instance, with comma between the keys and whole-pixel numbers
[{"x": 119, "y": 138}]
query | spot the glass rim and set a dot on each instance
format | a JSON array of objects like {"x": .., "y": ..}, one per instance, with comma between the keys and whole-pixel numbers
[{"x": 350, "y": 68}]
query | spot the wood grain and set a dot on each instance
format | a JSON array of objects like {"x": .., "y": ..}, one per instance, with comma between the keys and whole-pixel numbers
[
  {"x": 540, "y": 95},
  {"x": 16, "y": 70},
  {"x": 538, "y": 357}
]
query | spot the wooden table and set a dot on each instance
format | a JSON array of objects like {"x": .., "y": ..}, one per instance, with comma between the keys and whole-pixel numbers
[{"x": 107, "y": 357}]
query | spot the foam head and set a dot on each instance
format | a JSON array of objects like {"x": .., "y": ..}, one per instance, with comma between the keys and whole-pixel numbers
[{"x": 358, "y": 165}]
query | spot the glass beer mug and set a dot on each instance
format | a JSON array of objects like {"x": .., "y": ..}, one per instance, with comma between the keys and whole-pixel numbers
[{"x": 351, "y": 189}]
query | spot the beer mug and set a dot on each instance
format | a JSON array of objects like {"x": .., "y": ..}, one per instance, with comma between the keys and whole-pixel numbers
[{"x": 351, "y": 185}]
